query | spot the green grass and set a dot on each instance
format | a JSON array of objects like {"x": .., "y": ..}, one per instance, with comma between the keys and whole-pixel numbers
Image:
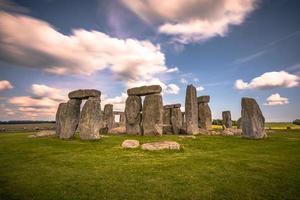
[{"x": 208, "y": 167}]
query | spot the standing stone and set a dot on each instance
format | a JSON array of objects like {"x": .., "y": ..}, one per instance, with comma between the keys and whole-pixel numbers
[
  {"x": 133, "y": 115},
  {"x": 176, "y": 120},
  {"x": 69, "y": 118},
  {"x": 239, "y": 123},
  {"x": 253, "y": 121},
  {"x": 90, "y": 119},
  {"x": 153, "y": 115},
  {"x": 167, "y": 116},
  {"x": 205, "y": 118},
  {"x": 108, "y": 117},
  {"x": 58, "y": 118},
  {"x": 122, "y": 119},
  {"x": 191, "y": 110},
  {"x": 226, "y": 119}
]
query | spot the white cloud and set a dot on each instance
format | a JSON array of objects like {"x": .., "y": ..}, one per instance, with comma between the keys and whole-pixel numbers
[
  {"x": 175, "y": 69},
  {"x": 270, "y": 80},
  {"x": 172, "y": 89},
  {"x": 200, "y": 88},
  {"x": 5, "y": 85},
  {"x": 276, "y": 99},
  {"x": 27, "y": 101},
  {"x": 83, "y": 52},
  {"x": 49, "y": 92},
  {"x": 118, "y": 101},
  {"x": 183, "y": 80},
  {"x": 192, "y": 20}
]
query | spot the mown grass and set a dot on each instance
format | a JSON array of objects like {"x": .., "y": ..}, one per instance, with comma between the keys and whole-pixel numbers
[{"x": 208, "y": 167}]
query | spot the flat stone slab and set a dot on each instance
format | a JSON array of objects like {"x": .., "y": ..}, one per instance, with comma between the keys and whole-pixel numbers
[
  {"x": 155, "y": 146},
  {"x": 41, "y": 134},
  {"x": 178, "y": 105},
  {"x": 117, "y": 130},
  {"x": 203, "y": 99},
  {"x": 84, "y": 94},
  {"x": 144, "y": 90},
  {"x": 187, "y": 136},
  {"x": 130, "y": 144}
]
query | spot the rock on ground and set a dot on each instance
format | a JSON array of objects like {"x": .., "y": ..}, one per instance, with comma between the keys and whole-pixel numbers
[
  {"x": 84, "y": 94},
  {"x": 133, "y": 115},
  {"x": 153, "y": 115},
  {"x": 130, "y": 144},
  {"x": 226, "y": 119},
  {"x": 144, "y": 90},
  {"x": 45, "y": 133},
  {"x": 191, "y": 110},
  {"x": 69, "y": 116},
  {"x": 90, "y": 119},
  {"x": 118, "y": 130},
  {"x": 252, "y": 121},
  {"x": 154, "y": 146}
]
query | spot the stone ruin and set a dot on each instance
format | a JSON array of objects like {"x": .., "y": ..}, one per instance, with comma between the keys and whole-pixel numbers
[{"x": 151, "y": 117}]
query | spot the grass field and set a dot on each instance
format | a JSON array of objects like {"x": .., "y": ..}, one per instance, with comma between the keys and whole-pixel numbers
[{"x": 208, "y": 167}]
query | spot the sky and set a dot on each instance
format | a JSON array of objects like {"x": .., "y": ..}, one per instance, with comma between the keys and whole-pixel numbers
[{"x": 227, "y": 49}]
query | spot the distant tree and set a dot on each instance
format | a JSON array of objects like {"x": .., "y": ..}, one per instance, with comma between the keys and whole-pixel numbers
[
  {"x": 296, "y": 121},
  {"x": 217, "y": 122}
]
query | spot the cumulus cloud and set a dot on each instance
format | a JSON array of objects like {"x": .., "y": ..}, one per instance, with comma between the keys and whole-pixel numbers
[
  {"x": 190, "y": 20},
  {"x": 172, "y": 89},
  {"x": 118, "y": 101},
  {"x": 82, "y": 52},
  {"x": 199, "y": 88},
  {"x": 40, "y": 90},
  {"x": 270, "y": 80},
  {"x": 5, "y": 85},
  {"x": 276, "y": 99},
  {"x": 183, "y": 80}
]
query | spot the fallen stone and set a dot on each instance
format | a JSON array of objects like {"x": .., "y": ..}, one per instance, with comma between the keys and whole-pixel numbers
[
  {"x": 231, "y": 131},
  {"x": 252, "y": 121},
  {"x": 191, "y": 110},
  {"x": 187, "y": 136},
  {"x": 118, "y": 130},
  {"x": 41, "y": 134},
  {"x": 203, "y": 99},
  {"x": 133, "y": 115},
  {"x": 84, "y": 94},
  {"x": 226, "y": 119},
  {"x": 90, "y": 119},
  {"x": 144, "y": 90},
  {"x": 69, "y": 116},
  {"x": 153, "y": 115},
  {"x": 130, "y": 144},
  {"x": 154, "y": 146}
]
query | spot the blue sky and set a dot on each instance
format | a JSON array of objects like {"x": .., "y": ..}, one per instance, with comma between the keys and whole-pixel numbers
[{"x": 227, "y": 49}]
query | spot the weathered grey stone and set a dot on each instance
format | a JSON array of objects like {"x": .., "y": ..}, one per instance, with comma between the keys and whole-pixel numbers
[
  {"x": 167, "y": 116},
  {"x": 57, "y": 118},
  {"x": 90, "y": 119},
  {"x": 122, "y": 119},
  {"x": 133, "y": 115},
  {"x": 203, "y": 99},
  {"x": 130, "y": 144},
  {"x": 118, "y": 130},
  {"x": 167, "y": 129},
  {"x": 84, "y": 94},
  {"x": 226, "y": 119},
  {"x": 144, "y": 90},
  {"x": 205, "y": 118},
  {"x": 191, "y": 110},
  {"x": 176, "y": 120},
  {"x": 154, "y": 146},
  {"x": 108, "y": 117},
  {"x": 239, "y": 123},
  {"x": 178, "y": 105},
  {"x": 69, "y": 118},
  {"x": 41, "y": 134},
  {"x": 230, "y": 131},
  {"x": 253, "y": 120},
  {"x": 153, "y": 115}
]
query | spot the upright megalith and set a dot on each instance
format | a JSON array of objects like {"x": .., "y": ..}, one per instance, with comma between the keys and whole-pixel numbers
[
  {"x": 204, "y": 113},
  {"x": 133, "y": 108},
  {"x": 153, "y": 115},
  {"x": 122, "y": 119},
  {"x": 239, "y": 123},
  {"x": 172, "y": 119},
  {"x": 108, "y": 117},
  {"x": 90, "y": 119},
  {"x": 252, "y": 121},
  {"x": 58, "y": 118},
  {"x": 68, "y": 118},
  {"x": 226, "y": 119},
  {"x": 191, "y": 110}
]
